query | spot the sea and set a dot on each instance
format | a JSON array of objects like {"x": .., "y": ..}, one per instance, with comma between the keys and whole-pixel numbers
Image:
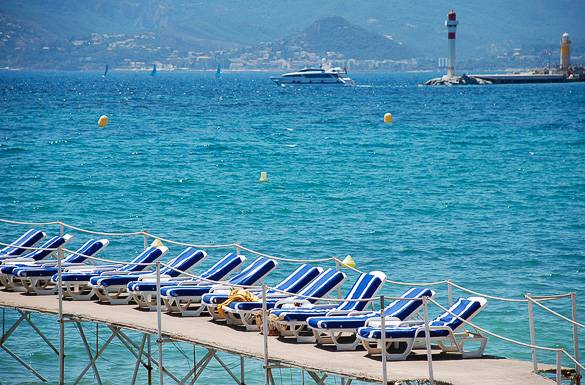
[{"x": 480, "y": 185}]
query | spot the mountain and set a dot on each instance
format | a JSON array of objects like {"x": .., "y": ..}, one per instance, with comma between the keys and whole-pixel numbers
[
  {"x": 336, "y": 34},
  {"x": 33, "y": 28}
]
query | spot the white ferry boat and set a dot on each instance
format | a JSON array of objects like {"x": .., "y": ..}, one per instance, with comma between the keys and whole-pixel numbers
[{"x": 317, "y": 76}]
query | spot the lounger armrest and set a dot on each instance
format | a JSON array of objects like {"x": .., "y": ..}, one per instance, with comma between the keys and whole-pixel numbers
[
  {"x": 89, "y": 268},
  {"x": 337, "y": 313},
  {"x": 389, "y": 321},
  {"x": 220, "y": 289},
  {"x": 14, "y": 261},
  {"x": 118, "y": 272},
  {"x": 149, "y": 278},
  {"x": 293, "y": 301},
  {"x": 363, "y": 312}
]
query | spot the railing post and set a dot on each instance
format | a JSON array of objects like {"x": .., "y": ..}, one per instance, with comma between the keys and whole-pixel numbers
[
  {"x": 559, "y": 368},
  {"x": 338, "y": 268},
  {"x": 145, "y": 239},
  {"x": 383, "y": 340},
  {"x": 238, "y": 250},
  {"x": 61, "y": 320},
  {"x": 575, "y": 338},
  {"x": 532, "y": 331},
  {"x": 450, "y": 292},
  {"x": 428, "y": 340},
  {"x": 159, "y": 340},
  {"x": 61, "y": 228},
  {"x": 265, "y": 334}
]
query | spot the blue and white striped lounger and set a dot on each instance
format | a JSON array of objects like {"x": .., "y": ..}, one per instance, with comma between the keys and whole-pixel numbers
[
  {"x": 113, "y": 289},
  {"x": 35, "y": 257},
  {"x": 75, "y": 280},
  {"x": 403, "y": 336},
  {"x": 186, "y": 300},
  {"x": 293, "y": 322},
  {"x": 144, "y": 293},
  {"x": 298, "y": 279},
  {"x": 37, "y": 279},
  {"x": 19, "y": 246},
  {"x": 244, "y": 313},
  {"x": 335, "y": 329}
]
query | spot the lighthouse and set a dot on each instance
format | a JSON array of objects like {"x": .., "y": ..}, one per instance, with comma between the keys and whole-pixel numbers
[
  {"x": 451, "y": 24},
  {"x": 565, "y": 52}
]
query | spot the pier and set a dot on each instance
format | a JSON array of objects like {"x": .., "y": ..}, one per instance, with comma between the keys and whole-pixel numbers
[
  {"x": 350, "y": 365},
  {"x": 155, "y": 328}
]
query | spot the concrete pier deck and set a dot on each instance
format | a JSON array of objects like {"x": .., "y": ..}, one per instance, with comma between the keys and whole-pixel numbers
[{"x": 450, "y": 369}]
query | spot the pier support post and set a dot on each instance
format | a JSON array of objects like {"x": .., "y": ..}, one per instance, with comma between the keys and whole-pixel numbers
[
  {"x": 61, "y": 320},
  {"x": 159, "y": 340},
  {"x": 428, "y": 340},
  {"x": 149, "y": 365},
  {"x": 265, "y": 334},
  {"x": 383, "y": 341},
  {"x": 532, "y": 332},
  {"x": 575, "y": 337},
  {"x": 242, "y": 371},
  {"x": 559, "y": 375}
]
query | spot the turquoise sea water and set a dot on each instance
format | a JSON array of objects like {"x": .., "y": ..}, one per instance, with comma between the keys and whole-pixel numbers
[{"x": 482, "y": 185}]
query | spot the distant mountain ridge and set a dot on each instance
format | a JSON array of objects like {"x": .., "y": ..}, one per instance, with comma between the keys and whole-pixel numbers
[{"x": 336, "y": 34}]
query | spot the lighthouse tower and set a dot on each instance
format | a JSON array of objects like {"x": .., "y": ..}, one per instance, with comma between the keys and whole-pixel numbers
[
  {"x": 451, "y": 24},
  {"x": 565, "y": 52}
]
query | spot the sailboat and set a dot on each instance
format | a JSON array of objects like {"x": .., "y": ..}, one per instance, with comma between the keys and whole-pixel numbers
[
  {"x": 218, "y": 72},
  {"x": 106, "y": 70},
  {"x": 153, "y": 72}
]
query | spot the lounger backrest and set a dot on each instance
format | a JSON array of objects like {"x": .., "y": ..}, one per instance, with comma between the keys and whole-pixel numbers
[
  {"x": 183, "y": 262},
  {"x": 404, "y": 308},
  {"x": 366, "y": 286},
  {"x": 52, "y": 243},
  {"x": 465, "y": 308},
  {"x": 223, "y": 267},
  {"x": 255, "y": 272},
  {"x": 298, "y": 278},
  {"x": 323, "y": 284},
  {"x": 25, "y": 240},
  {"x": 88, "y": 249},
  {"x": 149, "y": 255}
]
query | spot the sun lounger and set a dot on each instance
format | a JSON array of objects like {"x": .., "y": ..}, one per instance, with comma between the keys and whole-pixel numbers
[
  {"x": 48, "y": 248},
  {"x": 21, "y": 244},
  {"x": 298, "y": 279},
  {"x": 186, "y": 300},
  {"x": 113, "y": 288},
  {"x": 341, "y": 331},
  {"x": 76, "y": 280},
  {"x": 293, "y": 322},
  {"x": 244, "y": 313},
  {"x": 37, "y": 279},
  {"x": 401, "y": 337},
  {"x": 144, "y": 293}
]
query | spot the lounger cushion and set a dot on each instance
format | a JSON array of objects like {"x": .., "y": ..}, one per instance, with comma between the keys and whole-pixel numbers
[
  {"x": 184, "y": 291},
  {"x": 301, "y": 314},
  {"x": 398, "y": 332},
  {"x": 148, "y": 286},
  {"x": 35, "y": 271},
  {"x": 247, "y": 306},
  {"x": 114, "y": 280},
  {"x": 339, "y": 322}
]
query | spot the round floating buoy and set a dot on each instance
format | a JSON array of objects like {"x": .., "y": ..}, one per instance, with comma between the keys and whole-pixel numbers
[
  {"x": 348, "y": 262},
  {"x": 263, "y": 176},
  {"x": 388, "y": 117},
  {"x": 103, "y": 121}
]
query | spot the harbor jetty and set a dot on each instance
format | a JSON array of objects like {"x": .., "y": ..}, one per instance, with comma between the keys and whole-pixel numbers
[
  {"x": 565, "y": 73},
  {"x": 429, "y": 364}
]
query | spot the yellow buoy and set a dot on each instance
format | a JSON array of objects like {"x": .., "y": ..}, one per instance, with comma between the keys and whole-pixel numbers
[
  {"x": 348, "y": 262},
  {"x": 103, "y": 121},
  {"x": 263, "y": 176},
  {"x": 388, "y": 117},
  {"x": 156, "y": 243}
]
